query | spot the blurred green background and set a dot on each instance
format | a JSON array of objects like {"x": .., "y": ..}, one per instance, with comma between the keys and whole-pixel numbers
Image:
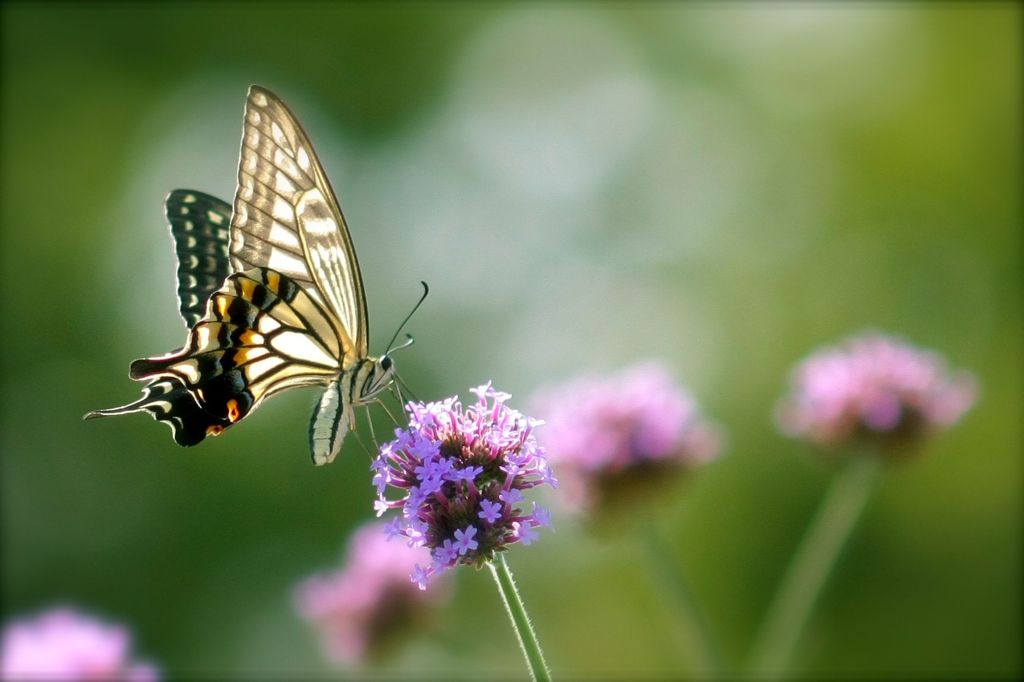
[{"x": 724, "y": 187}]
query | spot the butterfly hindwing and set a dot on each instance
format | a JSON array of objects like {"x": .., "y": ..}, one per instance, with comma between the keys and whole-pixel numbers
[
  {"x": 200, "y": 226},
  {"x": 169, "y": 402},
  {"x": 261, "y": 334},
  {"x": 287, "y": 218}
]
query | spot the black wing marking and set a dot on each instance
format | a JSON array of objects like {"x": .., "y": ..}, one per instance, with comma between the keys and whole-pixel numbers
[
  {"x": 169, "y": 402},
  {"x": 262, "y": 333},
  {"x": 200, "y": 226}
]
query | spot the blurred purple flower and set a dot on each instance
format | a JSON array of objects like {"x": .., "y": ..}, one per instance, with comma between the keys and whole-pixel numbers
[
  {"x": 462, "y": 471},
  {"x": 63, "y": 644},
  {"x": 369, "y": 603},
  {"x": 607, "y": 434},
  {"x": 872, "y": 385}
]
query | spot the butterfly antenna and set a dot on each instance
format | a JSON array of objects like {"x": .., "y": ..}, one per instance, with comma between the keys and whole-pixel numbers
[
  {"x": 426, "y": 290},
  {"x": 408, "y": 342}
]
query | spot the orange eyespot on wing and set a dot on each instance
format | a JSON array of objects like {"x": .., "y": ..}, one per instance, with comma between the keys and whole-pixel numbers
[{"x": 234, "y": 414}]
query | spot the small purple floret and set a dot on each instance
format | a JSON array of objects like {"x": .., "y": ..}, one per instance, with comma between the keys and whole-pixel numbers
[
  {"x": 465, "y": 474},
  {"x": 464, "y": 541},
  {"x": 524, "y": 531},
  {"x": 489, "y": 511},
  {"x": 541, "y": 517},
  {"x": 392, "y": 528},
  {"x": 420, "y": 577},
  {"x": 511, "y": 496},
  {"x": 446, "y": 552}
]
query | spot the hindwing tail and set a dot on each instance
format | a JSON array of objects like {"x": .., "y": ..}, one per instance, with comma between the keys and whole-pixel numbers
[{"x": 169, "y": 402}]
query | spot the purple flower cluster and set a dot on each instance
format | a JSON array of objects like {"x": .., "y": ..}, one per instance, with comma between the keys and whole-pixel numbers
[
  {"x": 612, "y": 432},
  {"x": 872, "y": 385},
  {"x": 369, "y": 602},
  {"x": 62, "y": 644},
  {"x": 462, "y": 472}
]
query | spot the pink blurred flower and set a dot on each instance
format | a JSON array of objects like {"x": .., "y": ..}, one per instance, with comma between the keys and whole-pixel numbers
[
  {"x": 615, "y": 436},
  {"x": 62, "y": 644},
  {"x": 369, "y": 602},
  {"x": 873, "y": 385}
]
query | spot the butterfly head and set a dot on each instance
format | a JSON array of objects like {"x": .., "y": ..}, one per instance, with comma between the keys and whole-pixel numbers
[{"x": 380, "y": 377}]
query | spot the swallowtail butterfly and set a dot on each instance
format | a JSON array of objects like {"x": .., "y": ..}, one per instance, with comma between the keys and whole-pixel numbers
[{"x": 271, "y": 293}]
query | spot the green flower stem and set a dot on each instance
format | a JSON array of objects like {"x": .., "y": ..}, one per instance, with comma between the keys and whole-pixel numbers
[
  {"x": 700, "y": 652},
  {"x": 520, "y": 620},
  {"x": 811, "y": 564}
]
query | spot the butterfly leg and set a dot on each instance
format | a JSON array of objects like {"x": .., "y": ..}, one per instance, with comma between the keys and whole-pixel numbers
[
  {"x": 383, "y": 406},
  {"x": 373, "y": 433}
]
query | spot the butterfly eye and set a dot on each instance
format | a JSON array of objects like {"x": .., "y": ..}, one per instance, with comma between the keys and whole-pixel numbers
[{"x": 385, "y": 363}]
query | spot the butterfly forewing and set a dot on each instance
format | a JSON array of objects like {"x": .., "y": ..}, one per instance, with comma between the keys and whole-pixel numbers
[
  {"x": 199, "y": 226},
  {"x": 287, "y": 218}
]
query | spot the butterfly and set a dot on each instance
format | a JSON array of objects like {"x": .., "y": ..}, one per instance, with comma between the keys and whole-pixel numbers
[{"x": 271, "y": 293}]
